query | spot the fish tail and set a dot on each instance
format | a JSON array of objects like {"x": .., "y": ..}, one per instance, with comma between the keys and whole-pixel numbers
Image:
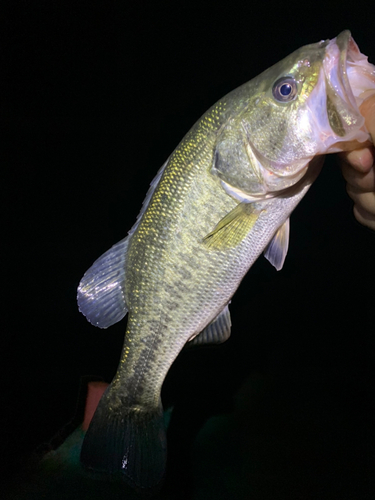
[{"x": 127, "y": 442}]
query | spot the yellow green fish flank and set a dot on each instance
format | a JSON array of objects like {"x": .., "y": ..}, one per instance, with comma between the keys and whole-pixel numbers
[{"x": 222, "y": 198}]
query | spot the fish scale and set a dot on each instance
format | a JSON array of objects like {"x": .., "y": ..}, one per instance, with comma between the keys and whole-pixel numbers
[
  {"x": 222, "y": 198},
  {"x": 157, "y": 240}
]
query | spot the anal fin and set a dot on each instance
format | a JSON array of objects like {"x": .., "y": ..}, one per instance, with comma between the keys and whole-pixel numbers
[{"x": 217, "y": 332}]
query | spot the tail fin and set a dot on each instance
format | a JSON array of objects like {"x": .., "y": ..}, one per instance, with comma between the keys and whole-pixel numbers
[{"x": 130, "y": 443}]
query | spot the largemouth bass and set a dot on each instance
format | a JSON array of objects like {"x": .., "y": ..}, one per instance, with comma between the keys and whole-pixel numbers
[{"x": 222, "y": 198}]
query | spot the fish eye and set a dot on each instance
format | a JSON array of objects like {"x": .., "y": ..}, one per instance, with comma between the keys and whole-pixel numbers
[{"x": 284, "y": 89}]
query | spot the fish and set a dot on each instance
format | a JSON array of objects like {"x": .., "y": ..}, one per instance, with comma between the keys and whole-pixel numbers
[{"x": 221, "y": 199}]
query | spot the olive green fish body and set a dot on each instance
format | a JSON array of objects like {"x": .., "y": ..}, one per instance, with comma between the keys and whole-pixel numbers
[
  {"x": 223, "y": 197},
  {"x": 177, "y": 281}
]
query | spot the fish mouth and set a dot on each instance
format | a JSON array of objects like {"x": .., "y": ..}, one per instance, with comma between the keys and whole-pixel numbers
[
  {"x": 357, "y": 74},
  {"x": 349, "y": 79},
  {"x": 339, "y": 50}
]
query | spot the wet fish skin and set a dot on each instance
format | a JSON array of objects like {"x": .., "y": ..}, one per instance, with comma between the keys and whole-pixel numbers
[{"x": 223, "y": 195}]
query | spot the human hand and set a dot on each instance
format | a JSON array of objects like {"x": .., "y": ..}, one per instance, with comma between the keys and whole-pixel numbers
[{"x": 358, "y": 169}]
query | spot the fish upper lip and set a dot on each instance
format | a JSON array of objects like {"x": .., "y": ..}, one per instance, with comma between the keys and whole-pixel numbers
[
  {"x": 335, "y": 66},
  {"x": 347, "y": 75},
  {"x": 348, "y": 51},
  {"x": 343, "y": 59}
]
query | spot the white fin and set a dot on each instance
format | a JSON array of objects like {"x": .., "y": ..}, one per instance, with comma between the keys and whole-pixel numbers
[
  {"x": 101, "y": 296},
  {"x": 278, "y": 246},
  {"x": 101, "y": 291},
  {"x": 217, "y": 332}
]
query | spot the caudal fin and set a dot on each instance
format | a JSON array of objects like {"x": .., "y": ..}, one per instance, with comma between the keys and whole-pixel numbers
[{"x": 130, "y": 443}]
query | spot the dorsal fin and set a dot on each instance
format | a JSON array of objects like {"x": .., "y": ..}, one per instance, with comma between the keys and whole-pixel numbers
[
  {"x": 101, "y": 292},
  {"x": 149, "y": 194}
]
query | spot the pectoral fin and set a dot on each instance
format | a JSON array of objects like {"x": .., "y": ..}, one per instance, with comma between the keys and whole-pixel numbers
[
  {"x": 232, "y": 228},
  {"x": 278, "y": 246},
  {"x": 217, "y": 332}
]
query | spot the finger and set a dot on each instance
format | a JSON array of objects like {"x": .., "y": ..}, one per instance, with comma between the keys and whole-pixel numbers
[
  {"x": 365, "y": 200},
  {"x": 360, "y": 159},
  {"x": 368, "y": 111},
  {"x": 360, "y": 181},
  {"x": 363, "y": 217}
]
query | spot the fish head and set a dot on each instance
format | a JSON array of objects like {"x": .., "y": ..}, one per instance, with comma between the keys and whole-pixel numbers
[{"x": 305, "y": 105}]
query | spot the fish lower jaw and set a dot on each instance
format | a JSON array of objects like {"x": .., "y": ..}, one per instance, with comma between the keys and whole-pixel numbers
[
  {"x": 268, "y": 193},
  {"x": 348, "y": 79}
]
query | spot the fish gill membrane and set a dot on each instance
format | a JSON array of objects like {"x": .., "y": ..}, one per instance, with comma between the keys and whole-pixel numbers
[{"x": 222, "y": 198}]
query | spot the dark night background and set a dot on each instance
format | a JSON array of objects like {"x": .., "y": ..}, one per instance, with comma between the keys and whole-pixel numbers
[{"x": 94, "y": 98}]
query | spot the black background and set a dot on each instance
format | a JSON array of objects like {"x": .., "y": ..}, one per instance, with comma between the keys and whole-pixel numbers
[{"x": 94, "y": 97}]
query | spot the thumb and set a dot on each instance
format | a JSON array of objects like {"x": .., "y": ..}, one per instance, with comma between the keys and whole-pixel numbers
[{"x": 368, "y": 111}]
